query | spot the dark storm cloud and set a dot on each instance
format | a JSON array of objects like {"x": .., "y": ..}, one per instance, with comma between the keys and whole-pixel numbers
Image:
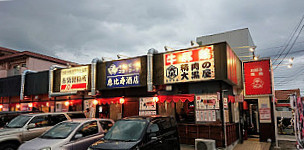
[{"x": 80, "y": 30}]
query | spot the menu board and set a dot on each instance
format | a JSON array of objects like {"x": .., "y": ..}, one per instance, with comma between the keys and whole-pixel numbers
[
  {"x": 147, "y": 106},
  {"x": 206, "y": 107},
  {"x": 207, "y": 102}
]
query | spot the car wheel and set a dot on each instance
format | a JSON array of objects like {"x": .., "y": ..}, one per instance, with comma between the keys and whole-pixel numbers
[{"x": 8, "y": 146}]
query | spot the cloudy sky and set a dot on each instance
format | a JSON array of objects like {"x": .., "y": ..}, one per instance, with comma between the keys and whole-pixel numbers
[{"x": 82, "y": 30}]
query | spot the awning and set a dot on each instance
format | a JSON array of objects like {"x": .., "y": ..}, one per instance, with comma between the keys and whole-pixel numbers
[
  {"x": 108, "y": 100},
  {"x": 176, "y": 98}
]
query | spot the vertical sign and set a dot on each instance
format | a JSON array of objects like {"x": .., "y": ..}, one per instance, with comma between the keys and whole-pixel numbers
[
  {"x": 189, "y": 65},
  {"x": 264, "y": 110},
  {"x": 74, "y": 79},
  {"x": 123, "y": 73},
  {"x": 257, "y": 77}
]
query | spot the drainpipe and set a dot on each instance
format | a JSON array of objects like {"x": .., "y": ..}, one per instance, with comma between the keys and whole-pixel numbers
[
  {"x": 51, "y": 72},
  {"x": 93, "y": 75},
  {"x": 23, "y": 82},
  {"x": 150, "y": 69}
]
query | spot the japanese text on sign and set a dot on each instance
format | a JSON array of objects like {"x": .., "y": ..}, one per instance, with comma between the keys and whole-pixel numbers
[
  {"x": 189, "y": 65},
  {"x": 123, "y": 73},
  {"x": 74, "y": 79}
]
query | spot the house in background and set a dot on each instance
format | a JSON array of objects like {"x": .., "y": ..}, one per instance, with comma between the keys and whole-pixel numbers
[
  {"x": 284, "y": 110},
  {"x": 14, "y": 62}
]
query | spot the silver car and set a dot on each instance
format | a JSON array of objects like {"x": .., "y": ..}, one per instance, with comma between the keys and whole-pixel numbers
[
  {"x": 76, "y": 134},
  {"x": 26, "y": 127}
]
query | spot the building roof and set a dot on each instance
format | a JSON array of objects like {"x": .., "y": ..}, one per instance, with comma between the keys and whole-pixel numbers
[
  {"x": 284, "y": 94},
  {"x": 3, "y": 49},
  {"x": 15, "y": 54}
]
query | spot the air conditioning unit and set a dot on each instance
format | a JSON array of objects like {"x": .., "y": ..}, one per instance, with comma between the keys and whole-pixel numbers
[{"x": 205, "y": 144}]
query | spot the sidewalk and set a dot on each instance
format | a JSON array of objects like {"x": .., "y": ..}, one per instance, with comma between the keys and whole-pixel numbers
[{"x": 253, "y": 145}]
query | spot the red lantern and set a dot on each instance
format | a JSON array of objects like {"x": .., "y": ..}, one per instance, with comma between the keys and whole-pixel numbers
[{"x": 245, "y": 105}]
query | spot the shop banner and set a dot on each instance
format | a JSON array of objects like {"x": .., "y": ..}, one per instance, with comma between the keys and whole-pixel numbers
[
  {"x": 189, "y": 65},
  {"x": 147, "y": 106},
  {"x": 257, "y": 77},
  {"x": 123, "y": 73},
  {"x": 74, "y": 79}
]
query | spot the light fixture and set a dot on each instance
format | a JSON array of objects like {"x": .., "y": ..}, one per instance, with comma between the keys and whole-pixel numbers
[
  {"x": 255, "y": 57},
  {"x": 155, "y": 99},
  {"x": 1, "y": 106},
  {"x": 121, "y": 100},
  {"x": 291, "y": 59},
  {"x": 193, "y": 43},
  {"x": 104, "y": 58},
  {"x": 47, "y": 104},
  {"x": 95, "y": 102},
  {"x": 251, "y": 49},
  {"x": 18, "y": 106},
  {"x": 167, "y": 48},
  {"x": 30, "y": 105},
  {"x": 289, "y": 66},
  {"x": 66, "y": 103},
  {"x": 120, "y": 56}
]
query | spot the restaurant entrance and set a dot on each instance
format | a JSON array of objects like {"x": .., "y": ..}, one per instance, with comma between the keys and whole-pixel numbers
[{"x": 251, "y": 118}]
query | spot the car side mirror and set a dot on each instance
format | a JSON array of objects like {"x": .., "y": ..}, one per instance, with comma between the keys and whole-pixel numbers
[
  {"x": 77, "y": 136},
  {"x": 31, "y": 126}
]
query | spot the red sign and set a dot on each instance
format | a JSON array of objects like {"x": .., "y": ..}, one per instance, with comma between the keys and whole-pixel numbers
[
  {"x": 257, "y": 77},
  {"x": 193, "y": 55}
]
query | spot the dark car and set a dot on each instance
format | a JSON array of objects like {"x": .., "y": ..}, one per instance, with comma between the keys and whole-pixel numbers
[
  {"x": 6, "y": 117},
  {"x": 141, "y": 133}
]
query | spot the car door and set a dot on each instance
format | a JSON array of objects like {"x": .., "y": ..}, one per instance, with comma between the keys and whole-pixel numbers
[
  {"x": 153, "y": 138},
  {"x": 41, "y": 123},
  {"x": 89, "y": 134}
]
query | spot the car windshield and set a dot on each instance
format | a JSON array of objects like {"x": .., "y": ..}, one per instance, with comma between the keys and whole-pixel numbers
[
  {"x": 18, "y": 122},
  {"x": 126, "y": 130},
  {"x": 60, "y": 131}
]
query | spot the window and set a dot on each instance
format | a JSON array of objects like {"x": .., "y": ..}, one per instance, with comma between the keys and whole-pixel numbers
[
  {"x": 106, "y": 125},
  {"x": 88, "y": 129},
  {"x": 54, "y": 119},
  {"x": 40, "y": 121},
  {"x": 165, "y": 123},
  {"x": 153, "y": 128},
  {"x": 76, "y": 115}
]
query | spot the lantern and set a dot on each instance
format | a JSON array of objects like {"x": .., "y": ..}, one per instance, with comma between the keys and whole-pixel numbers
[{"x": 121, "y": 100}]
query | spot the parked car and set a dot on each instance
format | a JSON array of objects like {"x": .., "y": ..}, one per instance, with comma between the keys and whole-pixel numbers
[
  {"x": 141, "y": 133},
  {"x": 76, "y": 114},
  {"x": 26, "y": 127},
  {"x": 76, "y": 134},
  {"x": 7, "y": 116}
]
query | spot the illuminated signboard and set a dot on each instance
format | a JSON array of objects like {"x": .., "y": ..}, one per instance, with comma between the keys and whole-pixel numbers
[
  {"x": 189, "y": 65},
  {"x": 123, "y": 73},
  {"x": 74, "y": 79},
  {"x": 257, "y": 77}
]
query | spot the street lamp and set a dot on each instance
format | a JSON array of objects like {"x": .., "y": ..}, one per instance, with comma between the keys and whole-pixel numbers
[{"x": 288, "y": 65}]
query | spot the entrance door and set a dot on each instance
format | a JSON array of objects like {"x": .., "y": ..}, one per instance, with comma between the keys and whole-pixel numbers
[
  {"x": 131, "y": 107},
  {"x": 251, "y": 118}
]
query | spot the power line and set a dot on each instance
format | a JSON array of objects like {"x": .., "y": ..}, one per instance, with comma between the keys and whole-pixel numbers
[
  {"x": 292, "y": 35},
  {"x": 292, "y": 44}
]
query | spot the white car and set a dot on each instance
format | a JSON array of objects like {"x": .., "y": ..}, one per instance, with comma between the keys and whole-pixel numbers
[{"x": 76, "y": 134}]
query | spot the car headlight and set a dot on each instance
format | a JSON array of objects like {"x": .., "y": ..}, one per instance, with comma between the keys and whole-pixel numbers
[
  {"x": 46, "y": 148},
  {"x": 90, "y": 148}
]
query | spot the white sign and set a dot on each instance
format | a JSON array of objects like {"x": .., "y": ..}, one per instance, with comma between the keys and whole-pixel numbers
[
  {"x": 74, "y": 79},
  {"x": 189, "y": 65}
]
